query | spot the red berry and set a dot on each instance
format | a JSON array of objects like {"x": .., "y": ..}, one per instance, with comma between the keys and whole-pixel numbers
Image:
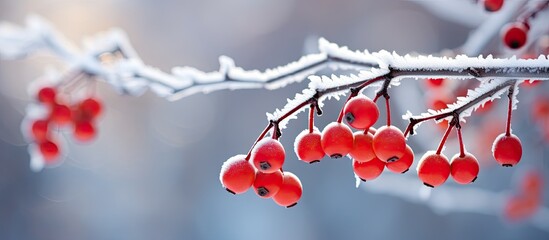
[
  {"x": 464, "y": 169},
  {"x": 60, "y": 114},
  {"x": 403, "y": 164},
  {"x": 492, "y": 5},
  {"x": 290, "y": 192},
  {"x": 84, "y": 131},
  {"x": 515, "y": 35},
  {"x": 369, "y": 170},
  {"x": 507, "y": 150},
  {"x": 40, "y": 130},
  {"x": 435, "y": 82},
  {"x": 433, "y": 169},
  {"x": 362, "y": 150},
  {"x": 307, "y": 146},
  {"x": 91, "y": 107},
  {"x": 49, "y": 150},
  {"x": 237, "y": 174},
  {"x": 389, "y": 143},
  {"x": 337, "y": 140},
  {"x": 361, "y": 112},
  {"x": 267, "y": 185},
  {"x": 46, "y": 95},
  {"x": 268, "y": 155}
]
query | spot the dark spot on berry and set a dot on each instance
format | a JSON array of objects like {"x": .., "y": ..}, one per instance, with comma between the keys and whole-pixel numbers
[
  {"x": 362, "y": 179},
  {"x": 404, "y": 171},
  {"x": 507, "y": 165},
  {"x": 336, "y": 155},
  {"x": 428, "y": 185},
  {"x": 264, "y": 165},
  {"x": 349, "y": 117},
  {"x": 489, "y": 8},
  {"x": 514, "y": 44},
  {"x": 262, "y": 191},
  {"x": 291, "y": 205},
  {"x": 229, "y": 190},
  {"x": 393, "y": 159},
  {"x": 474, "y": 179},
  {"x": 314, "y": 161}
]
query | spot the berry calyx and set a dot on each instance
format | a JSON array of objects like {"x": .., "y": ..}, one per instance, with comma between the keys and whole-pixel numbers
[
  {"x": 308, "y": 146},
  {"x": 60, "y": 114},
  {"x": 507, "y": 149},
  {"x": 433, "y": 169},
  {"x": 337, "y": 140},
  {"x": 268, "y": 155},
  {"x": 369, "y": 170},
  {"x": 47, "y": 95},
  {"x": 362, "y": 149},
  {"x": 39, "y": 130},
  {"x": 515, "y": 35},
  {"x": 49, "y": 150},
  {"x": 290, "y": 191},
  {"x": 84, "y": 131},
  {"x": 267, "y": 185},
  {"x": 361, "y": 112},
  {"x": 237, "y": 174},
  {"x": 403, "y": 164},
  {"x": 492, "y": 5},
  {"x": 464, "y": 168},
  {"x": 389, "y": 143},
  {"x": 91, "y": 107}
]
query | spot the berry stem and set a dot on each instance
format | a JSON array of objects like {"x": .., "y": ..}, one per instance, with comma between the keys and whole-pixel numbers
[
  {"x": 311, "y": 117},
  {"x": 460, "y": 139},
  {"x": 261, "y": 136},
  {"x": 509, "y": 109},
  {"x": 444, "y": 138},
  {"x": 388, "y": 108}
]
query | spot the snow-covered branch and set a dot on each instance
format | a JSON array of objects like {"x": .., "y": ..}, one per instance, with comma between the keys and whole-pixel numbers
[
  {"x": 395, "y": 67},
  {"x": 130, "y": 75}
]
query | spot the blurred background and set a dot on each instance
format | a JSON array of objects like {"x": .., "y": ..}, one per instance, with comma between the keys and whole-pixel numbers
[{"x": 153, "y": 171}]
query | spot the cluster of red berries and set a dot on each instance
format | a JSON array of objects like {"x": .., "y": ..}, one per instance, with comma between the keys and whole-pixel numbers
[
  {"x": 371, "y": 151},
  {"x": 238, "y": 174},
  {"x": 80, "y": 116}
]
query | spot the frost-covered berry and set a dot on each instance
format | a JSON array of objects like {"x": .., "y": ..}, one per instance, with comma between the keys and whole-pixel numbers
[
  {"x": 84, "y": 130},
  {"x": 39, "y": 130},
  {"x": 307, "y": 146},
  {"x": 403, "y": 164},
  {"x": 389, "y": 143},
  {"x": 337, "y": 140},
  {"x": 47, "y": 95},
  {"x": 515, "y": 35},
  {"x": 237, "y": 174},
  {"x": 60, "y": 114},
  {"x": 49, "y": 150},
  {"x": 433, "y": 169},
  {"x": 464, "y": 169},
  {"x": 267, "y": 185},
  {"x": 507, "y": 150},
  {"x": 91, "y": 107},
  {"x": 369, "y": 170},
  {"x": 290, "y": 192},
  {"x": 362, "y": 149},
  {"x": 268, "y": 155},
  {"x": 361, "y": 112}
]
